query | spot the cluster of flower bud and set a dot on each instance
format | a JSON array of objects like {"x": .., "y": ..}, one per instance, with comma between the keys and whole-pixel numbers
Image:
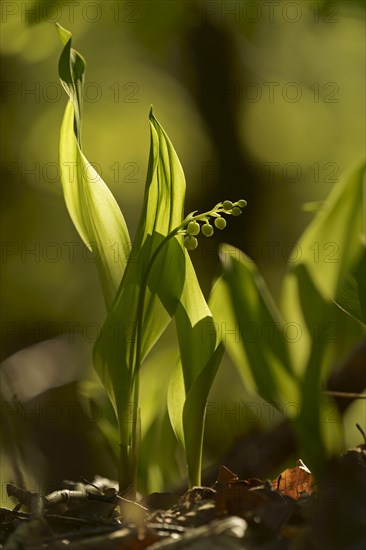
[{"x": 193, "y": 227}]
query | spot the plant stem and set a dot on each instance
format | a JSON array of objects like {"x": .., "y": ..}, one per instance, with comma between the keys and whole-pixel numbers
[
  {"x": 147, "y": 273},
  {"x": 135, "y": 432},
  {"x": 124, "y": 473},
  {"x": 128, "y": 454},
  {"x": 142, "y": 294}
]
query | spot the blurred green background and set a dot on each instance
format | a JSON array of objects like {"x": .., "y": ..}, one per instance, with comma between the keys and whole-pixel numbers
[{"x": 262, "y": 101}]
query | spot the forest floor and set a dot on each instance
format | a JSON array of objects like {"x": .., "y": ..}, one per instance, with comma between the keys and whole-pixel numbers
[{"x": 292, "y": 511}]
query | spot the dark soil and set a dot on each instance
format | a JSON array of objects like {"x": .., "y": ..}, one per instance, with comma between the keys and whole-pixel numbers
[{"x": 291, "y": 512}]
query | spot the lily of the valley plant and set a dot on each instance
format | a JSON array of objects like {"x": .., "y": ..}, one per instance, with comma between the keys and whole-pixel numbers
[{"x": 152, "y": 281}]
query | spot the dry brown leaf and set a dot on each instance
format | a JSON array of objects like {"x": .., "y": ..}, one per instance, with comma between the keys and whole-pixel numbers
[{"x": 295, "y": 481}]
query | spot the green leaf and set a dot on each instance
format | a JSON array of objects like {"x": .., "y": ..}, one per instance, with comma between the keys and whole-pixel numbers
[
  {"x": 242, "y": 291},
  {"x": 319, "y": 428},
  {"x": 196, "y": 330},
  {"x": 194, "y": 413},
  {"x": 331, "y": 244},
  {"x": 329, "y": 270},
  {"x": 91, "y": 205},
  {"x": 351, "y": 298},
  {"x": 157, "y": 470},
  {"x": 175, "y": 401},
  {"x": 259, "y": 349},
  {"x": 115, "y": 349},
  {"x": 330, "y": 248},
  {"x": 71, "y": 69},
  {"x": 191, "y": 381}
]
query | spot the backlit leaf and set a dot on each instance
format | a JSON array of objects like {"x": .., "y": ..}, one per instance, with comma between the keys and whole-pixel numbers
[
  {"x": 332, "y": 243},
  {"x": 192, "y": 379},
  {"x": 330, "y": 248},
  {"x": 92, "y": 207},
  {"x": 351, "y": 297},
  {"x": 260, "y": 348},
  {"x": 115, "y": 349}
]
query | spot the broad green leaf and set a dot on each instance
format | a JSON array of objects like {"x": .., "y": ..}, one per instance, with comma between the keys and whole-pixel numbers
[
  {"x": 332, "y": 248},
  {"x": 196, "y": 330},
  {"x": 332, "y": 242},
  {"x": 328, "y": 251},
  {"x": 351, "y": 297},
  {"x": 194, "y": 414},
  {"x": 260, "y": 349},
  {"x": 91, "y": 205},
  {"x": 191, "y": 381},
  {"x": 94, "y": 211},
  {"x": 115, "y": 349},
  {"x": 319, "y": 321},
  {"x": 319, "y": 428},
  {"x": 175, "y": 401},
  {"x": 152, "y": 385},
  {"x": 156, "y": 470},
  {"x": 267, "y": 356},
  {"x": 328, "y": 333}
]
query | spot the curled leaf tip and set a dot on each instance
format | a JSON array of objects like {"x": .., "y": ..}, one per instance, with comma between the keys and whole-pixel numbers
[{"x": 63, "y": 33}]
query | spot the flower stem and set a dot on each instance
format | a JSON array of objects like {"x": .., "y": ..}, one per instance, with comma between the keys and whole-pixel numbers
[
  {"x": 140, "y": 306},
  {"x": 128, "y": 453}
]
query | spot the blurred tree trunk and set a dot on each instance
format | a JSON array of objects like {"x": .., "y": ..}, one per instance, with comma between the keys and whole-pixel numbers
[{"x": 215, "y": 88}]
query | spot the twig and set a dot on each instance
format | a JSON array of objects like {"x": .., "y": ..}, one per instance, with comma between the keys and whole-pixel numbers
[
  {"x": 16, "y": 514},
  {"x": 127, "y": 501},
  {"x": 362, "y": 432},
  {"x": 346, "y": 395}
]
